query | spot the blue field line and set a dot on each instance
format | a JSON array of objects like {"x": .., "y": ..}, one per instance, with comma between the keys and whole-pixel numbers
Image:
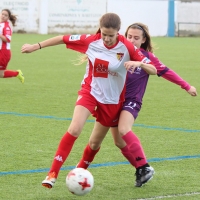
[
  {"x": 108, "y": 164},
  {"x": 167, "y": 128},
  {"x": 69, "y": 119}
]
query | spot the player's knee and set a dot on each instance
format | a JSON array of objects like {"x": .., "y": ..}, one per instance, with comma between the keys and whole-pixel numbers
[
  {"x": 75, "y": 131},
  {"x": 94, "y": 145},
  {"x": 120, "y": 144},
  {"x": 122, "y": 130},
  {"x": 117, "y": 144}
]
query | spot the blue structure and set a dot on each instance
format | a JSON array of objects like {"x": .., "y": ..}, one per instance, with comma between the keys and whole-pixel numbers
[{"x": 171, "y": 21}]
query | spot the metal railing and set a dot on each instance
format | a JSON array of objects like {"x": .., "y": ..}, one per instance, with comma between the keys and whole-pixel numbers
[{"x": 179, "y": 23}]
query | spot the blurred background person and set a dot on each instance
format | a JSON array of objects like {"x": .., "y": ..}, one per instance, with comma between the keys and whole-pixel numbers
[{"x": 7, "y": 21}]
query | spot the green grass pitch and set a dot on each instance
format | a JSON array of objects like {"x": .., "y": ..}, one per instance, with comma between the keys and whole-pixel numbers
[{"x": 35, "y": 115}]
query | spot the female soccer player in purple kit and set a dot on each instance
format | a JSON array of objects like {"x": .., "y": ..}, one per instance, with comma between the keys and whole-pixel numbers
[{"x": 136, "y": 83}]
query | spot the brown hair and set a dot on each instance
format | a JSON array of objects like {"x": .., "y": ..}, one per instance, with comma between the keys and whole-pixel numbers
[
  {"x": 12, "y": 17},
  {"x": 110, "y": 20},
  {"x": 147, "y": 45}
]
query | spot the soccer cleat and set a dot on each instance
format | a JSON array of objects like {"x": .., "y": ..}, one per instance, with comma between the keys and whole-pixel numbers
[
  {"x": 49, "y": 180},
  {"x": 143, "y": 175},
  {"x": 20, "y": 76}
]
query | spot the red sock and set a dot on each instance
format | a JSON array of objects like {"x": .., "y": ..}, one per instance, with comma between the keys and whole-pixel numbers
[
  {"x": 10, "y": 73},
  {"x": 62, "y": 153},
  {"x": 135, "y": 148},
  {"x": 88, "y": 157},
  {"x": 126, "y": 153}
]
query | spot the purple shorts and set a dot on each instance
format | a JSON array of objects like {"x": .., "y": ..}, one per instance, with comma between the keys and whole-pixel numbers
[{"x": 131, "y": 106}]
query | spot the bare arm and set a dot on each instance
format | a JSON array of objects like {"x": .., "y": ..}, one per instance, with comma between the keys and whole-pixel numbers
[
  {"x": 3, "y": 38},
  {"x": 149, "y": 68},
  {"x": 28, "y": 48}
]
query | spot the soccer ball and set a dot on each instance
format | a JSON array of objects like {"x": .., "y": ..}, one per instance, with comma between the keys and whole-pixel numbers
[{"x": 79, "y": 181}]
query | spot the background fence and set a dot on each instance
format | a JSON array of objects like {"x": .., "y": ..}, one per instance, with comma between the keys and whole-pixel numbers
[{"x": 82, "y": 16}]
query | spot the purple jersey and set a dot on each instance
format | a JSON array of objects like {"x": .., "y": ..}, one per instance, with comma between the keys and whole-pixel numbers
[{"x": 136, "y": 84}]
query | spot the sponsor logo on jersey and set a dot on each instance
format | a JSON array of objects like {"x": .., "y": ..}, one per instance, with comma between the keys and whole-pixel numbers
[
  {"x": 77, "y": 37},
  {"x": 138, "y": 70},
  {"x": 120, "y": 56},
  {"x": 101, "y": 68},
  {"x": 74, "y": 37},
  {"x": 112, "y": 73},
  {"x": 145, "y": 60}
]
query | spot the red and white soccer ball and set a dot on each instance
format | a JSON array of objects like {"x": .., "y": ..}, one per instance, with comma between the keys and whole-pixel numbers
[{"x": 79, "y": 181}]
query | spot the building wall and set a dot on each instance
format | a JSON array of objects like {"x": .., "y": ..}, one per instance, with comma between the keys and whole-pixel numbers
[
  {"x": 188, "y": 13},
  {"x": 82, "y": 16},
  {"x": 151, "y": 12},
  {"x": 26, "y": 11}
]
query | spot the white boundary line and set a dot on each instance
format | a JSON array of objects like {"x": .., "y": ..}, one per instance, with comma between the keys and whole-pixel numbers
[{"x": 171, "y": 196}]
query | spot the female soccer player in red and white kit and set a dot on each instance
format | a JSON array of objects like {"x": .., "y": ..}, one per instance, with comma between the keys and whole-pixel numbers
[
  {"x": 110, "y": 55},
  {"x": 138, "y": 35},
  {"x": 7, "y": 20}
]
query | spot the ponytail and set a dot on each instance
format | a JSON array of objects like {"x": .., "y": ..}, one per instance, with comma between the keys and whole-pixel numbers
[{"x": 12, "y": 17}]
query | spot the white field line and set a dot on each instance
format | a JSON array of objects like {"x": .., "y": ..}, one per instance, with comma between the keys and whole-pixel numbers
[{"x": 170, "y": 196}]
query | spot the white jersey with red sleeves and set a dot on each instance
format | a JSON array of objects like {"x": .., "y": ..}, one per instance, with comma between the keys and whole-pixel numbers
[
  {"x": 6, "y": 31},
  {"x": 105, "y": 73}
]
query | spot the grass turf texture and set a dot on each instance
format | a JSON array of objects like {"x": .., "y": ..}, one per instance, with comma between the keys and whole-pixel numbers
[{"x": 168, "y": 126}]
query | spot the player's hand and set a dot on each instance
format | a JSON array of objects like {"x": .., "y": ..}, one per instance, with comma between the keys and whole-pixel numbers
[
  {"x": 192, "y": 91},
  {"x": 131, "y": 65},
  {"x": 28, "y": 48}
]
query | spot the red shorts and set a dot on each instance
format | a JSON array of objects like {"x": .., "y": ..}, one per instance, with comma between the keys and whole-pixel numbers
[
  {"x": 5, "y": 56},
  {"x": 106, "y": 114}
]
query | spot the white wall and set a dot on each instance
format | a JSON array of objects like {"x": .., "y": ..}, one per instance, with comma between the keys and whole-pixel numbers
[
  {"x": 72, "y": 16},
  {"x": 82, "y": 16},
  {"x": 27, "y": 12},
  {"x": 150, "y": 12},
  {"x": 188, "y": 13}
]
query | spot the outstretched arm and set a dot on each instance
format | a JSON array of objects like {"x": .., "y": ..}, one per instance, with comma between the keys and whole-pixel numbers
[
  {"x": 171, "y": 76},
  {"x": 28, "y": 48}
]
